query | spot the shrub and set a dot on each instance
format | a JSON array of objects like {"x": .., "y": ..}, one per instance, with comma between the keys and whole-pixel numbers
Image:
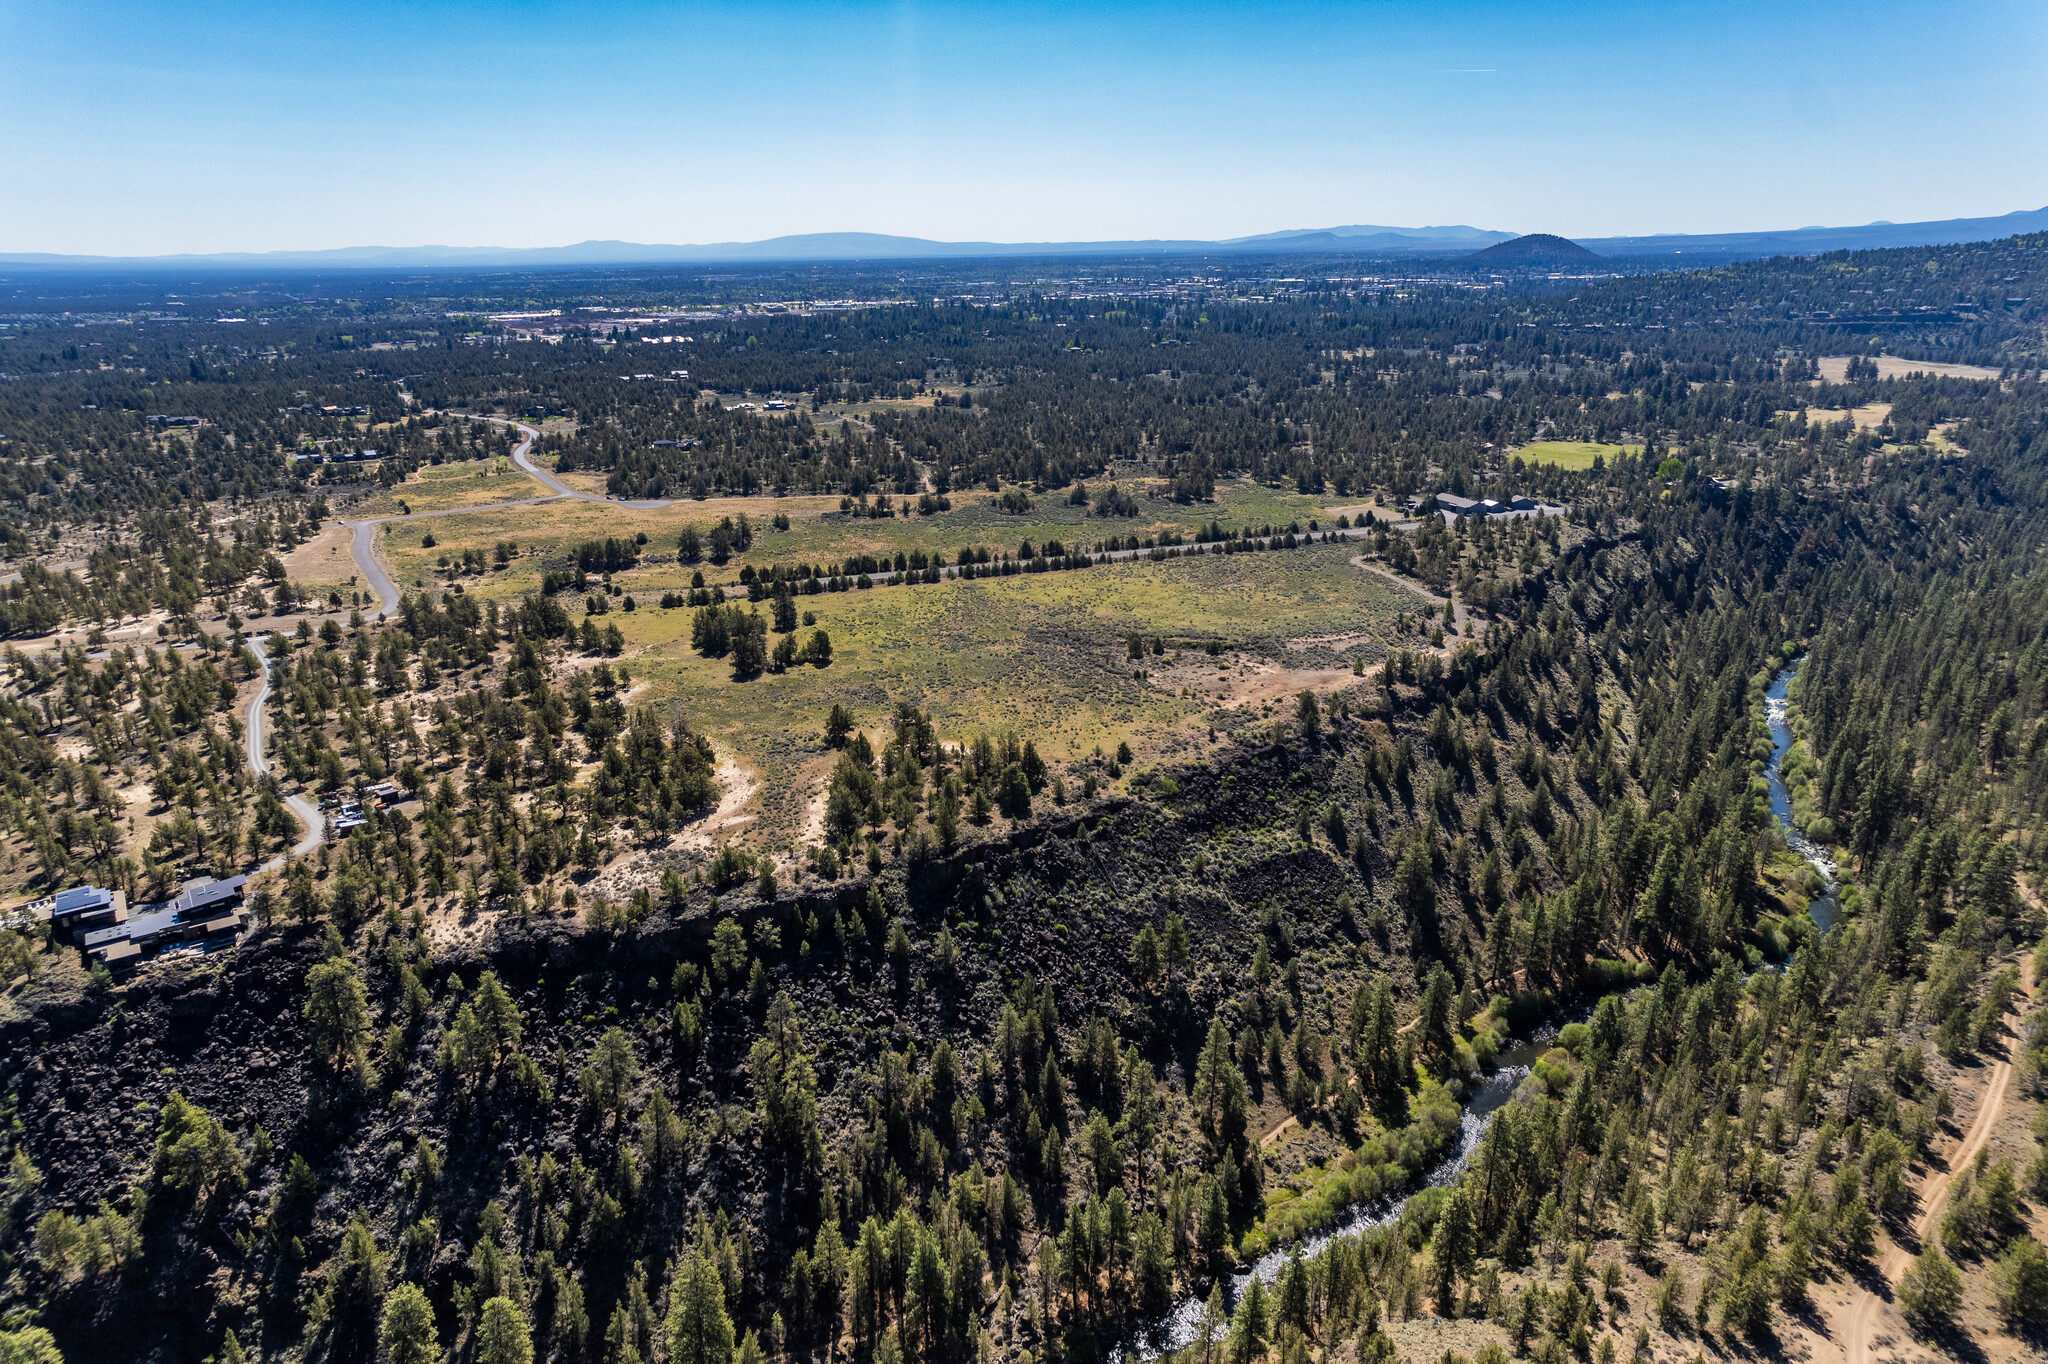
[
  {"x": 2020, "y": 1284},
  {"x": 1931, "y": 1293}
]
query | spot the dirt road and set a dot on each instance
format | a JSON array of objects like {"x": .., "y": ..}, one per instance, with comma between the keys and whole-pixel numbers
[
  {"x": 1866, "y": 1310},
  {"x": 1460, "y": 619}
]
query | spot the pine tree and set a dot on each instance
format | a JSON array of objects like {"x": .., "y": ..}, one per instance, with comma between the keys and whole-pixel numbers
[
  {"x": 1932, "y": 1290},
  {"x": 407, "y": 1334},
  {"x": 699, "y": 1330},
  {"x": 1152, "y": 1264},
  {"x": 1249, "y": 1325},
  {"x": 1452, "y": 1248},
  {"x": 1436, "y": 1022},
  {"x": 346, "y": 1313},
  {"x": 501, "y": 1334},
  {"x": 1379, "y": 1071},
  {"x": 838, "y": 725},
  {"x": 1219, "y": 1096}
]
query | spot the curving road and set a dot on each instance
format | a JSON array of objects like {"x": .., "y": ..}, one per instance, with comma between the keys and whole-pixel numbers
[
  {"x": 252, "y": 739},
  {"x": 522, "y": 456},
  {"x": 364, "y": 546},
  {"x": 1460, "y": 619}
]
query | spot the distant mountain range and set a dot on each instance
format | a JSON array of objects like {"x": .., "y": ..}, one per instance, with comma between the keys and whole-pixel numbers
[
  {"x": 813, "y": 246},
  {"x": 1803, "y": 241},
  {"x": 1363, "y": 240}
]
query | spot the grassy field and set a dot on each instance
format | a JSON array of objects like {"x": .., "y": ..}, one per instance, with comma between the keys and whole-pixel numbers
[
  {"x": 818, "y": 532},
  {"x": 1835, "y": 368},
  {"x": 440, "y": 487},
  {"x": 1570, "y": 454},
  {"x": 324, "y": 560},
  {"x": 1042, "y": 654},
  {"x": 1868, "y": 417}
]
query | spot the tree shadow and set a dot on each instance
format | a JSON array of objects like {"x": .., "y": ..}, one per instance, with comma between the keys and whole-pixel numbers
[
  {"x": 1867, "y": 1276},
  {"x": 1952, "y": 1340},
  {"x": 1809, "y": 1315},
  {"x": 1769, "y": 1345}
]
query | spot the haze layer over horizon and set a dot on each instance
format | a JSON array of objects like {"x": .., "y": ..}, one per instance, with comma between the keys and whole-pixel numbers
[{"x": 207, "y": 127}]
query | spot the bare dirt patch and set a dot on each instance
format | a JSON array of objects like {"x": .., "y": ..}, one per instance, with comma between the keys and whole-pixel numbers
[
  {"x": 1239, "y": 679},
  {"x": 737, "y": 788},
  {"x": 325, "y": 559},
  {"x": 449, "y": 926},
  {"x": 1835, "y": 369},
  {"x": 1358, "y": 509},
  {"x": 1868, "y": 417},
  {"x": 690, "y": 845}
]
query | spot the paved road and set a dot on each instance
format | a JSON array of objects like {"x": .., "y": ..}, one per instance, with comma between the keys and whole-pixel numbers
[
  {"x": 522, "y": 456},
  {"x": 252, "y": 738},
  {"x": 1190, "y": 551},
  {"x": 364, "y": 548},
  {"x": 364, "y": 545}
]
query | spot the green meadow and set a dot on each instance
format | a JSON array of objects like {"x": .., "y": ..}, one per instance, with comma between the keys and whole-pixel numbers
[{"x": 1570, "y": 454}]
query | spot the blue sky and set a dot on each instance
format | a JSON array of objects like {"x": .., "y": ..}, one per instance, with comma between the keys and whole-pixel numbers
[{"x": 138, "y": 128}]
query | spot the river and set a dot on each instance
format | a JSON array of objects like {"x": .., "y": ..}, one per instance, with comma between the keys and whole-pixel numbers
[
  {"x": 1180, "y": 1326},
  {"x": 1777, "y": 713}
]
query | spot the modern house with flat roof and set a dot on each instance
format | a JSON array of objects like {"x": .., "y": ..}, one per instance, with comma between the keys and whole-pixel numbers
[
  {"x": 75, "y": 910},
  {"x": 203, "y": 914},
  {"x": 1454, "y": 509}
]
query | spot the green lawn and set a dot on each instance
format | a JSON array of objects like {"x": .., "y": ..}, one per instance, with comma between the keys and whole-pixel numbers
[{"x": 1570, "y": 454}]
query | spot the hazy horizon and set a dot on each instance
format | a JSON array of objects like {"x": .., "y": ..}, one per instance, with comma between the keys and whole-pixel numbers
[
  {"x": 1425, "y": 234},
  {"x": 200, "y": 128}
]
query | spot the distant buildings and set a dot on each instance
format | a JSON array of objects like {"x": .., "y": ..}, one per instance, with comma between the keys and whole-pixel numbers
[
  {"x": 164, "y": 419},
  {"x": 335, "y": 456}
]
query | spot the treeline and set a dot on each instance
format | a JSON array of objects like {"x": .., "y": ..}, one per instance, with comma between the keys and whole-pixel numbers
[
  {"x": 172, "y": 564},
  {"x": 78, "y": 727}
]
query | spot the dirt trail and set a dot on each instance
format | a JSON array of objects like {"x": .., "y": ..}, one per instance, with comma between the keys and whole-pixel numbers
[
  {"x": 1866, "y": 1310},
  {"x": 737, "y": 787},
  {"x": 1459, "y": 616}
]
